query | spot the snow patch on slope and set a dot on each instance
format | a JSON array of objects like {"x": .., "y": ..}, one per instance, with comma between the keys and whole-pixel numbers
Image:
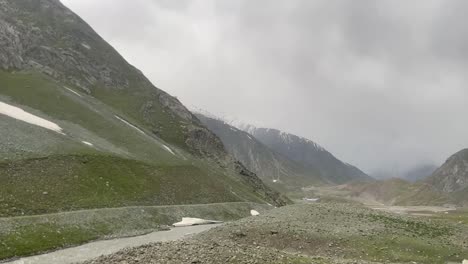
[
  {"x": 87, "y": 143},
  {"x": 254, "y": 212},
  {"x": 73, "y": 91},
  {"x": 169, "y": 149},
  {"x": 189, "y": 221},
  {"x": 20, "y": 114},
  {"x": 142, "y": 132},
  {"x": 130, "y": 125},
  {"x": 86, "y": 46}
]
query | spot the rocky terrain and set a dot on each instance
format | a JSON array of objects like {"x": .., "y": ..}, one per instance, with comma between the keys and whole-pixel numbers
[
  {"x": 452, "y": 177},
  {"x": 314, "y": 233}
]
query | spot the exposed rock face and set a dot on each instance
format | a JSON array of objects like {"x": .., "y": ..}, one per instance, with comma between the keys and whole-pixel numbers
[
  {"x": 205, "y": 143},
  {"x": 273, "y": 168},
  {"x": 453, "y": 175},
  {"x": 259, "y": 186},
  {"x": 43, "y": 35},
  {"x": 308, "y": 153}
]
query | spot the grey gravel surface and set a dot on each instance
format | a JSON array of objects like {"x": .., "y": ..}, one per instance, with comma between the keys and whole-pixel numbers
[
  {"x": 313, "y": 233},
  {"x": 107, "y": 247}
]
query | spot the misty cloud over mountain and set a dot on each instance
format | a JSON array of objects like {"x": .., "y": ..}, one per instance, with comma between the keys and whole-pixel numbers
[{"x": 380, "y": 84}]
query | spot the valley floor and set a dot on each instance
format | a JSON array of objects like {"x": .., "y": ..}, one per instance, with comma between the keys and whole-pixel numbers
[
  {"x": 32, "y": 235},
  {"x": 107, "y": 247},
  {"x": 323, "y": 233}
]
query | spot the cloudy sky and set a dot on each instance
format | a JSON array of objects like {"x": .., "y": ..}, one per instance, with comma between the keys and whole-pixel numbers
[{"x": 381, "y": 84}]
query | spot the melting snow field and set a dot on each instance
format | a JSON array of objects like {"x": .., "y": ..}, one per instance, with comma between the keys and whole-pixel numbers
[
  {"x": 189, "y": 221},
  {"x": 20, "y": 114},
  {"x": 254, "y": 213}
]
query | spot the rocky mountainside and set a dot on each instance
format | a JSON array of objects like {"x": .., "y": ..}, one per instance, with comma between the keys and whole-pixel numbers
[
  {"x": 82, "y": 128},
  {"x": 44, "y": 36},
  {"x": 273, "y": 168},
  {"x": 452, "y": 177},
  {"x": 307, "y": 153}
]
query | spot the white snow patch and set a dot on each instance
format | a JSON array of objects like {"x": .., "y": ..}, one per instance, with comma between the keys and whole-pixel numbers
[
  {"x": 311, "y": 199},
  {"x": 189, "y": 221},
  {"x": 20, "y": 114},
  {"x": 72, "y": 91},
  {"x": 87, "y": 143},
  {"x": 130, "y": 125},
  {"x": 86, "y": 46},
  {"x": 169, "y": 149},
  {"x": 275, "y": 181},
  {"x": 254, "y": 213}
]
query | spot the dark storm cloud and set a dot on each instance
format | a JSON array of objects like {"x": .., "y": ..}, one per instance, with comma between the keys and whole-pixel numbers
[{"x": 382, "y": 84}]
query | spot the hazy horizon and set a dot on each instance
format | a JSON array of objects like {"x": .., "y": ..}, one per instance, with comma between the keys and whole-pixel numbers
[{"x": 379, "y": 84}]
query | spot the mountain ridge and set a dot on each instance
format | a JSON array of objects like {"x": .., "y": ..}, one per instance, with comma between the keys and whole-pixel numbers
[
  {"x": 309, "y": 153},
  {"x": 278, "y": 145},
  {"x": 452, "y": 177},
  {"x": 55, "y": 67}
]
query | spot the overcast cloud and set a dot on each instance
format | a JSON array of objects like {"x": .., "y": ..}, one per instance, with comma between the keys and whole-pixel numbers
[{"x": 381, "y": 84}]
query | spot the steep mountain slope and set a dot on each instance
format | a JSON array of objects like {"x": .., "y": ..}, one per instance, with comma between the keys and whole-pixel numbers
[
  {"x": 273, "y": 168},
  {"x": 307, "y": 153},
  {"x": 452, "y": 177},
  {"x": 81, "y": 128}
]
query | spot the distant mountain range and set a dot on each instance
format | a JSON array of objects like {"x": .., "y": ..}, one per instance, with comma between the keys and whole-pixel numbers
[
  {"x": 447, "y": 185},
  {"x": 413, "y": 174},
  {"x": 308, "y": 153},
  {"x": 282, "y": 159}
]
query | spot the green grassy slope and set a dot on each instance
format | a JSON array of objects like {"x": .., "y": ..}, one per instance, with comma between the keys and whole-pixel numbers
[
  {"x": 124, "y": 167},
  {"x": 65, "y": 183},
  {"x": 83, "y": 118},
  {"x": 58, "y": 47}
]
